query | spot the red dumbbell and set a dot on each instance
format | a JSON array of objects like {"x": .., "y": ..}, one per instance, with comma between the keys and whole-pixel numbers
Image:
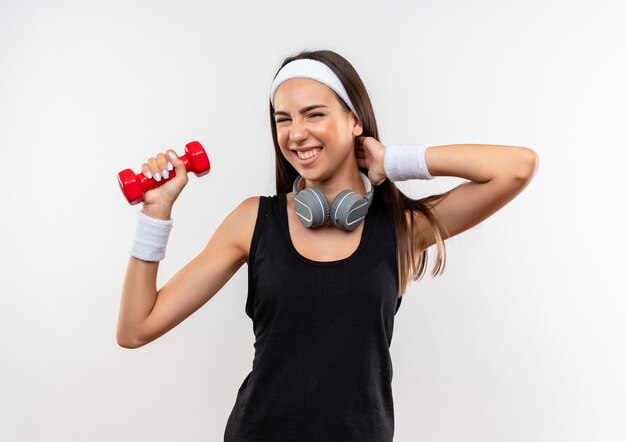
[{"x": 134, "y": 185}]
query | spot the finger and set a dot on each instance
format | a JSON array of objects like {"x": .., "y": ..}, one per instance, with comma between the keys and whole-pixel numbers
[
  {"x": 154, "y": 168},
  {"x": 145, "y": 169},
  {"x": 162, "y": 164},
  {"x": 173, "y": 158},
  {"x": 179, "y": 165}
]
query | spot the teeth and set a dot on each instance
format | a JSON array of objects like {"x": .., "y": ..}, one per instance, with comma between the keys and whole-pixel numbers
[{"x": 308, "y": 154}]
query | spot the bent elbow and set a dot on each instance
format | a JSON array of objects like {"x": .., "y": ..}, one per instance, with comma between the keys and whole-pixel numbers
[
  {"x": 127, "y": 342},
  {"x": 528, "y": 167}
]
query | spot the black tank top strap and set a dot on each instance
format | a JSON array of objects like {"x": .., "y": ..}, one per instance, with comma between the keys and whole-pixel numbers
[{"x": 262, "y": 214}]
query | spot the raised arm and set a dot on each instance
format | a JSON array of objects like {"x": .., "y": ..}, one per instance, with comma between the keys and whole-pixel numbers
[
  {"x": 147, "y": 313},
  {"x": 496, "y": 175}
]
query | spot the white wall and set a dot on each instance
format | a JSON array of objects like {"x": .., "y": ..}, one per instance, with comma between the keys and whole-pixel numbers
[{"x": 521, "y": 339}]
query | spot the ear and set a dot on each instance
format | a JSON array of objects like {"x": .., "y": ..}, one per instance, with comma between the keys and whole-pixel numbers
[{"x": 358, "y": 128}]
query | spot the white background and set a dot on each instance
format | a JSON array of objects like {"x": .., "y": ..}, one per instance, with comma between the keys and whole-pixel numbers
[{"x": 521, "y": 339}]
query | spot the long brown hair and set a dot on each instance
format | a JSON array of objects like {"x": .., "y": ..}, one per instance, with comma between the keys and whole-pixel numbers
[{"x": 410, "y": 267}]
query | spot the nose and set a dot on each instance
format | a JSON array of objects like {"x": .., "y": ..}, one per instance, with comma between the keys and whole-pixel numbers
[{"x": 298, "y": 131}]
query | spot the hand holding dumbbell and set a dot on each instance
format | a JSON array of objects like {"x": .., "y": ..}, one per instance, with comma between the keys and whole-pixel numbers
[{"x": 164, "y": 170}]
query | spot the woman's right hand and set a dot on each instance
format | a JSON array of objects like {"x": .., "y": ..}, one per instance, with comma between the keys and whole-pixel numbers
[{"x": 158, "y": 202}]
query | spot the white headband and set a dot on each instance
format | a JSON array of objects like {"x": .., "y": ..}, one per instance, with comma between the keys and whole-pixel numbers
[{"x": 314, "y": 70}]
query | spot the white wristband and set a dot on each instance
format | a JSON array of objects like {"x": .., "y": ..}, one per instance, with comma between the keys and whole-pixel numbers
[
  {"x": 150, "y": 238},
  {"x": 406, "y": 161}
]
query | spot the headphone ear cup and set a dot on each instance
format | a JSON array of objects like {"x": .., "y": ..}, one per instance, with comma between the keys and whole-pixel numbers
[
  {"x": 348, "y": 210},
  {"x": 311, "y": 207}
]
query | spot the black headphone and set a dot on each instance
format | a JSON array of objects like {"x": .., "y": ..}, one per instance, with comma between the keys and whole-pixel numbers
[{"x": 347, "y": 211}]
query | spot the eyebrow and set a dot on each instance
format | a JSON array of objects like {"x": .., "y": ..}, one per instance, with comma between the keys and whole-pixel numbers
[{"x": 303, "y": 110}]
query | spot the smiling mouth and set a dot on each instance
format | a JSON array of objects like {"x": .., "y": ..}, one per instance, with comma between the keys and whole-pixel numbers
[{"x": 309, "y": 153}]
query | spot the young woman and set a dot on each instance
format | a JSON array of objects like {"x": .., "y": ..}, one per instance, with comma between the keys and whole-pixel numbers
[{"x": 329, "y": 256}]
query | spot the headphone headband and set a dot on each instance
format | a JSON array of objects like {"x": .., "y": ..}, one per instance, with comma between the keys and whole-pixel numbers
[
  {"x": 369, "y": 189},
  {"x": 348, "y": 209}
]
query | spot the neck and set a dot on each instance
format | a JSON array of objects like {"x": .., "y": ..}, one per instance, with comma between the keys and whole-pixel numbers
[{"x": 342, "y": 180}]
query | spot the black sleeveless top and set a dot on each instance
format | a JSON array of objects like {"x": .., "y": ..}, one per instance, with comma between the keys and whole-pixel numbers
[{"x": 322, "y": 370}]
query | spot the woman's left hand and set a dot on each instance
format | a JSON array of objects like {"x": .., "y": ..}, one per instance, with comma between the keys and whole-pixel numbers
[{"x": 370, "y": 154}]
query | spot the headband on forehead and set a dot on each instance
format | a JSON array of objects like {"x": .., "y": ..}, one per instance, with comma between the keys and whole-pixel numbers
[{"x": 314, "y": 70}]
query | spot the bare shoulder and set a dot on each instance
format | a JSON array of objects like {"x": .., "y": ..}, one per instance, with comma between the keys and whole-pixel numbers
[{"x": 242, "y": 220}]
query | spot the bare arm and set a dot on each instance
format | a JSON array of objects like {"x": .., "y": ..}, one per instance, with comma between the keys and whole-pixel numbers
[
  {"x": 497, "y": 174},
  {"x": 146, "y": 314}
]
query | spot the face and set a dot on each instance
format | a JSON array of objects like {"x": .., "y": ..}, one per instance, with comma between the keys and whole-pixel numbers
[{"x": 328, "y": 127}]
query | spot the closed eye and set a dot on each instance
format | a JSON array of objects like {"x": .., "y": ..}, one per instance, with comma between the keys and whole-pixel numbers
[{"x": 310, "y": 115}]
